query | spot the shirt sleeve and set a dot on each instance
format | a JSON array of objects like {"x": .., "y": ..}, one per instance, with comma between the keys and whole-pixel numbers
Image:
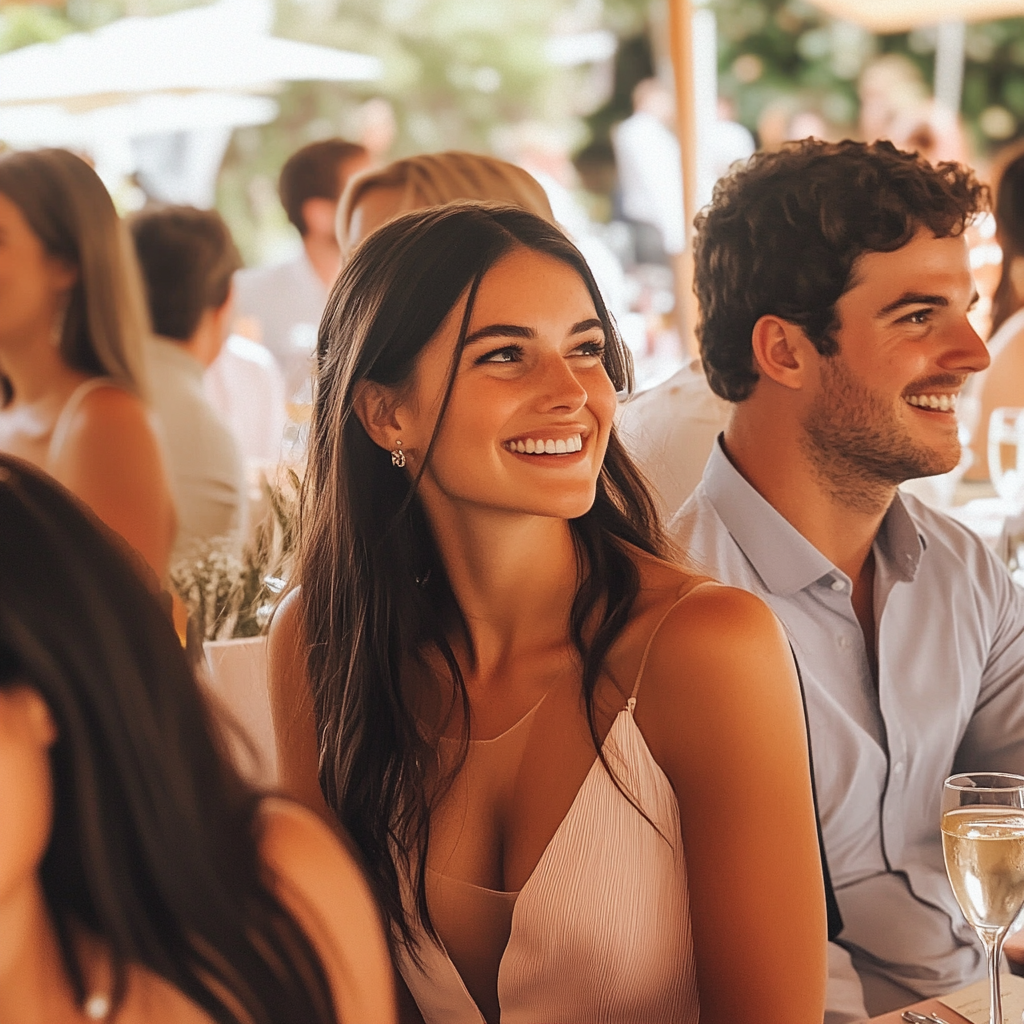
[{"x": 994, "y": 738}]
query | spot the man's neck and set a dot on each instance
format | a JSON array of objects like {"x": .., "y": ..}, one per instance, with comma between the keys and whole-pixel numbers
[
  {"x": 779, "y": 469},
  {"x": 324, "y": 256}
]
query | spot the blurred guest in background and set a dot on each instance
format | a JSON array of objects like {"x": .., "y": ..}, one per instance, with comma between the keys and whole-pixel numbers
[
  {"x": 142, "y": 880},
  {"x": 286, "y": 300},
  {"x": 432, "y": 179},
  {"x": 72, "y": 326},
  {"x": 187, "y": 259},
  {"x": 648, "y": 160},
  {"x": 246, "y": 387},
  {"x": 888, "y": 88},
  {"x": 670, "y": 430},
  {"x": 1003, "y": 383}
]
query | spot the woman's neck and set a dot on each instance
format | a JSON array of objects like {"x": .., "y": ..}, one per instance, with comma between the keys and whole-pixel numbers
[
  {"x": 34, "y": 988},
  {"x": 35, "y": 369},
  {"x": 514, "y": 578}
]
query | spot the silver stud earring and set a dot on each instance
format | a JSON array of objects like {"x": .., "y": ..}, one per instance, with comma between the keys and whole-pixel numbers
[{"x": 397, "y": 455}]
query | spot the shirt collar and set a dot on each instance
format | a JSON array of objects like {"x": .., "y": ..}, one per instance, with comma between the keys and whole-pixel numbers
[{"x": 784, "y": 559}]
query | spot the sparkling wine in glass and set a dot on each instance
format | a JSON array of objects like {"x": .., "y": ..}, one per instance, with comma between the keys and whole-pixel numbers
[
  {"x": 1006, "y": 453},
  {"x": 983, "y": 844}
]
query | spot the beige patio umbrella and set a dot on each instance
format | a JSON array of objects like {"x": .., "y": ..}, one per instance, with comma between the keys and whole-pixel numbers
[
  {"x": 886, "y": 16},
  {"x": 680, "y": 22}
]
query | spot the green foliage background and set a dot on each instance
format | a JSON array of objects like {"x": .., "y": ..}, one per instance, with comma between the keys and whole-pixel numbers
[
  {"x": 458, "y": 69},
  {"x": 803, "y": 51}
]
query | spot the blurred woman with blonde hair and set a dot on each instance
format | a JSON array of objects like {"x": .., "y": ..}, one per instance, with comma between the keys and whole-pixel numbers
[
  {"x": 72, "y": 323},
  {"x": 432, "y": 179}
]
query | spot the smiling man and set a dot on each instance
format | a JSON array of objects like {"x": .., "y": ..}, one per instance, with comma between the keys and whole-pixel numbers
[{"x": 834, "y": 287}]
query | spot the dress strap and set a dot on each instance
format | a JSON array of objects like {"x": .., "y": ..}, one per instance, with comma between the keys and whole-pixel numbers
[
  {"x": 631, "y": 703},
  {"x": 63, "y": 425}
]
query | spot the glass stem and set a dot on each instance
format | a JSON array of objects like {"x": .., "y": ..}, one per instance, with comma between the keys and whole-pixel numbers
[{"x": 993, "y": 943}]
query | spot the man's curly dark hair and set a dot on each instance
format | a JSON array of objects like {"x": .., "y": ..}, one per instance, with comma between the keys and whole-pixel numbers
[{"x": 783, "y": 234}]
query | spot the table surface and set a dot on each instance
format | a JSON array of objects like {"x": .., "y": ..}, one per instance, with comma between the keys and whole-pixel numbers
[
  {"x": 925, "y": 1006},
  {"x": 972, "y": 999}
]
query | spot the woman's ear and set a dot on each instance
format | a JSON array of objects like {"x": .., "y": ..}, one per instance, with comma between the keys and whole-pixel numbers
[
  {"x": 781, "y": 351},
  {"x": 24, "y": 705},
  {"x": 43, "y": 726},
  {"x": 63, "y": 274},
  {"x": 377, "y": 408}
]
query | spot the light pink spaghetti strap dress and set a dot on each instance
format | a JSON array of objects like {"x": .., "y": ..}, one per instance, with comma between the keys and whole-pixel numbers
[{"x": 600, "y": 931}]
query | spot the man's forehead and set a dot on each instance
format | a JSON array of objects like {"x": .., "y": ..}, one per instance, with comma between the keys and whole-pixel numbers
[{"x": 941, "y": 260}]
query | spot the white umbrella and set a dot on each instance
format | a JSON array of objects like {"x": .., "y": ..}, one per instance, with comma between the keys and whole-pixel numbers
[
  {"x": 49, "y": 124},
  {"x": 884, "y": 16},
  {"x": 223, "y": 47}
]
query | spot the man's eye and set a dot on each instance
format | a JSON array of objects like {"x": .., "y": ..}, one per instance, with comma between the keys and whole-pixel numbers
[
  {"x": 507, "y": 354},
  {"x": 919, "y": 316}
]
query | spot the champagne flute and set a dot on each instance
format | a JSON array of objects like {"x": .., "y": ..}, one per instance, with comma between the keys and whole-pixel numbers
[
  {"x": 983, "y": 844},
  {"x": 1006, "y": 453}
]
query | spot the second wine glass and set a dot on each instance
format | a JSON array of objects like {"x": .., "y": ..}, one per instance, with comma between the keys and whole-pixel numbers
[{"x": 983, "y": 845}]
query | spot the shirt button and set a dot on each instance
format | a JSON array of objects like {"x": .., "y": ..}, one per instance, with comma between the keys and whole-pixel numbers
[
  {"x": 844, "y": 642},
  {"x": 897, "y": 768},
  {"x": 838, "y": 585}
]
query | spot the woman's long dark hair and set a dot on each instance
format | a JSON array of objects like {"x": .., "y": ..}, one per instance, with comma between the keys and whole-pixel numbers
[
  {"x": 68, "y": 209},
  {"x": 1009, "y": 214},
  {"x": 154, "y": 840},
  {"x": 374, "y": 592}
]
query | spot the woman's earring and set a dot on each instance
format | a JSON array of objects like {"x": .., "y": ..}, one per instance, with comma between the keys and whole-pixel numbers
[{"x": 397, "y": 455}]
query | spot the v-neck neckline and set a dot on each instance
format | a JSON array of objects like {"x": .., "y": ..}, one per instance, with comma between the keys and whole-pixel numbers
[{"x": 544, "y": 857}]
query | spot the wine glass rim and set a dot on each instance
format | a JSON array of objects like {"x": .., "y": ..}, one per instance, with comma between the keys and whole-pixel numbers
[{"x": 1011, "y": 782}]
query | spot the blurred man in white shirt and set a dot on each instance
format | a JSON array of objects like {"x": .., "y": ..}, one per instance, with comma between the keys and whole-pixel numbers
[
  {"x": 282, "y": 304},
  {"x": 187, "y": 259}
]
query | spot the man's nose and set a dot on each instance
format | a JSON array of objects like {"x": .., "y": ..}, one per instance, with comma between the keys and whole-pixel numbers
[{"x": 967, "y": 352}]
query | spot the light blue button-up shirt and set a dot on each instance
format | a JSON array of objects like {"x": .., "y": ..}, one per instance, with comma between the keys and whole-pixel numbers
[{"x": 949, "y": 697}]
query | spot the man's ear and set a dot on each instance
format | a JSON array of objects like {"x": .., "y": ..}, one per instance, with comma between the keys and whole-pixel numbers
[
  {"x": 377, "y": 409},
  {"x": 781, "y": 351}
]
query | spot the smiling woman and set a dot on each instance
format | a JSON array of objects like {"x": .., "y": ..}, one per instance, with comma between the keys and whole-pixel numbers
[{"x": 491, "y": 676}]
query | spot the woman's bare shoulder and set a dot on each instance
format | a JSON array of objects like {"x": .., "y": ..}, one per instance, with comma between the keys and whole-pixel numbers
[
  {"x": 664, "y": 583},
  {"x": 286, "y": 623},
  {"x": 114, "y": 421},
  {"x": 112, "y": 406},
  {"x": 292, "y": 837},
  {"x": 711, "y": 646},
  {"x": 317, "y": 876}
]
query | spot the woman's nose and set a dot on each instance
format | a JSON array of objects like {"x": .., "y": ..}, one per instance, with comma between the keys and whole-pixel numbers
[{"x": 561, "y": 388}]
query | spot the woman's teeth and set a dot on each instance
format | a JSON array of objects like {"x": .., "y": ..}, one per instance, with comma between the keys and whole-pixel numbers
[
  {"x": 536, "y": 446},
  {"x": 944, "y": 403}
]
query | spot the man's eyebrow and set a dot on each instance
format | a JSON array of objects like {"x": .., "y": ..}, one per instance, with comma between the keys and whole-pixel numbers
[
  {"x": 519, "y": 331},
  {"x": 913, "y": 299}
]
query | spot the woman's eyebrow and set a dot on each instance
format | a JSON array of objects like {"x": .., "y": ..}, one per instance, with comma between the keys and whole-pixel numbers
[
  {"x": 519, "y": 331},
  {"x": 501, "y": 331}
]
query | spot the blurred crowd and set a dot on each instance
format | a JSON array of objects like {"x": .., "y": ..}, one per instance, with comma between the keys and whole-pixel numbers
[{"x": 422, "y": 430}]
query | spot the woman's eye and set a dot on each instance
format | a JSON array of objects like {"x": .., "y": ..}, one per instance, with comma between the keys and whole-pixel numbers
[
  {"x": 591, "y": 348},
  {"x": 508, "y": 354}
]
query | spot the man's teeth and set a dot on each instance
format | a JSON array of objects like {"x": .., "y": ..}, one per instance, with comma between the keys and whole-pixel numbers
[
  {"x": 945, "y": 403},
  {"x": 536, "y": 446}
]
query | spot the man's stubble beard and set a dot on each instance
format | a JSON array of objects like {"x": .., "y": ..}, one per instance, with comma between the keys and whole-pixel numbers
[{"x": 859, "y": 448}]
